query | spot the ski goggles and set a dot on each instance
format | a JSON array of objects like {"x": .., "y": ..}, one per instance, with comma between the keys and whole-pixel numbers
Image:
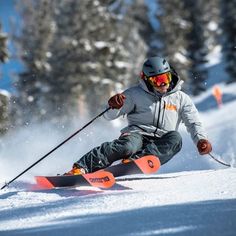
[{"x": 160, "y": 80}]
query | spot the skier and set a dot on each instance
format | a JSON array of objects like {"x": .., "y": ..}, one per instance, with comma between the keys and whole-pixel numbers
[{"x": 154, "y": 108}]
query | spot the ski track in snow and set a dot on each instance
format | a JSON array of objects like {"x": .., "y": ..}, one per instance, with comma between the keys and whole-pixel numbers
[{"x": 182, "y": 203}]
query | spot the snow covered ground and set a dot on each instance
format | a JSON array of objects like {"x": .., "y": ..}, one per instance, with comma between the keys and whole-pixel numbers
[
  {"x": 191, "y": 195},
  {"x": 183, "y": 203}
]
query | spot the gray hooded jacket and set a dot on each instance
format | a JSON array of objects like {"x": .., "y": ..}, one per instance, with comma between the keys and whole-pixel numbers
[{"x": 153, "y": 114}]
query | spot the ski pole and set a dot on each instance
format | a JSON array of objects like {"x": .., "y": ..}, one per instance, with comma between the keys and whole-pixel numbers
[
  {"x": 221, "y": 162},
  {"x": 59, "y": 145}
]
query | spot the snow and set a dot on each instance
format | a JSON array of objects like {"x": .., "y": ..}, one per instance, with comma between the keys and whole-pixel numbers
[
  {"x": 5, "y": 93},
  {"x": 214, "y": 57},
  {"x": 212, "y": 25},
  {"x": 122, "y": 64},
  {"x": 100, "y": 44},
  {"x": 180, "y": 57},
  {"x": 190, "y": 203}
]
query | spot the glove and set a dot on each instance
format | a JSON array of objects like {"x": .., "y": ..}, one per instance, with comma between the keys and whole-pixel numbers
[
  {"x": 204, "y": 146},
  {"x": 117, "y": 101}
]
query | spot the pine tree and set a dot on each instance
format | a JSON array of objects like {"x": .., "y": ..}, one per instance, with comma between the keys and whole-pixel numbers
[
  {"x": 212, "y": 30},
  {"x": 79, "y": 53},
  {"x": 172, "y": 34},
  {"x": 4, "y": 97},
  {"x": 3, "y": 46},
  {"x": 4, "y": 111},
  {"x": 138, "y": 12},
  {"x": 34, "y": 42},
  {"x": 95, "y": 48},
  {"x": 228, "y": 16},
  {"x": 135, "y": 31},
  {"x": 197, "y": 49}
]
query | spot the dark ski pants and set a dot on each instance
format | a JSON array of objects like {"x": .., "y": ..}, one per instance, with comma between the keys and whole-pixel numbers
[{"x": 133, "y": 145}]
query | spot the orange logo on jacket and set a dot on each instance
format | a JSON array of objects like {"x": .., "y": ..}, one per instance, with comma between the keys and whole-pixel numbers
[{"x": 171, "y": 107}]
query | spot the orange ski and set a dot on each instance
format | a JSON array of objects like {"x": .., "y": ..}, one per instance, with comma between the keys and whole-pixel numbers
[
  {"x": 100, "y": 179},
  {"x": 144, "y": 165},
  {"x": 148, "y": 164}
]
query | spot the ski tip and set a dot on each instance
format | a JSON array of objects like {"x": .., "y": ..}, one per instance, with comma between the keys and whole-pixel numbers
[
  {"x": 42, "y": 182},
  {"x": 148, "y": 164},
  {"x": 100, "y": 179}
]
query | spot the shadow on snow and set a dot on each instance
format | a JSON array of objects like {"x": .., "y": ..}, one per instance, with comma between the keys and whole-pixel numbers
[{"x": 216, "y": 217}]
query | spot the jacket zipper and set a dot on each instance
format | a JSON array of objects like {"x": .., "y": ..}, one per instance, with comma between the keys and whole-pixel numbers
[
  {"x": 159, "y": 111},
  {"x": 163, "y": 112}
]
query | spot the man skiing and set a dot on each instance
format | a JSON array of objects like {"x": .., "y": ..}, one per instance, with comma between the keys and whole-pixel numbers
[{"x": 154, "y": 108}]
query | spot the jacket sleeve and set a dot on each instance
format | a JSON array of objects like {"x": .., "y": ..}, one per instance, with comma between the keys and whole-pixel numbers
[
  {"x": 126, "y": 109},
  {"x": 190, "y": 117}
]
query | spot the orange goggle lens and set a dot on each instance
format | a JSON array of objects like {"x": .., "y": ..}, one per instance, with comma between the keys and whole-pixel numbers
[{"x": 160, "y": 80}]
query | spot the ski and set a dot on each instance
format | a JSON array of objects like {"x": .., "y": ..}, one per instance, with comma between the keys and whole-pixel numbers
[
  {"x": 104, "y": 178},
  {"x": 100, "y": 179},
  {"x": 145, "y": 165}
]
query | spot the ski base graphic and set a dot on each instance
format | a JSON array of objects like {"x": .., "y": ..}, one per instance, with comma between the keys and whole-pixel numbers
[{"x": 100, "y": 179}]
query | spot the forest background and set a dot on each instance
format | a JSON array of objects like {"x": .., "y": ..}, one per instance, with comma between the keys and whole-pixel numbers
[{"x": 74, "y": 55}]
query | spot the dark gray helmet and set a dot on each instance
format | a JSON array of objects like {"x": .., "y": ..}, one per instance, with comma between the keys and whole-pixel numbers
[{"x": 155, "y": 66}]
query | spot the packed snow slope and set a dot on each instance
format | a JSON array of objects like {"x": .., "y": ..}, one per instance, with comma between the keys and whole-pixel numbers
[
  {"x": 190, "y": 195},
  {"x": 183, "y": 203}
]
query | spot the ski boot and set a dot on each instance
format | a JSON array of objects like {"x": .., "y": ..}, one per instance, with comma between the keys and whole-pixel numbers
[
  {"x": 76, "y": 171},
  {"x": 129, "y": 159}
]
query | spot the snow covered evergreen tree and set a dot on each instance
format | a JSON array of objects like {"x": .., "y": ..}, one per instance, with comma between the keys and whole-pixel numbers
[
  {"x": 212, "y": 29},
  {"x": 228, "y": 16},
  {"x": 4, "y": 96},
  {"x": 34, "y": 42},
  {"x": 3, "y": 46},
  {"x": 77, "y": 55},
  {"x": 188, "y": 31},
  {"x": 4, "y": 111},
  {"x": 138, "y": 12},
  {"x": 99, "y": 51},
  {"x": 172, "y": 34},
  {"x": 197, "y": 49}
]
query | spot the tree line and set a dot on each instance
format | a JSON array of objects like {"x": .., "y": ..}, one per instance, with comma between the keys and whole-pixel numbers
[{"x": 78, "y": 53}]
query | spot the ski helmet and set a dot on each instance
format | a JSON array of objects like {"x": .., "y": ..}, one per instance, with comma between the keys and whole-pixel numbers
[{"x": 155, "y": 66}]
